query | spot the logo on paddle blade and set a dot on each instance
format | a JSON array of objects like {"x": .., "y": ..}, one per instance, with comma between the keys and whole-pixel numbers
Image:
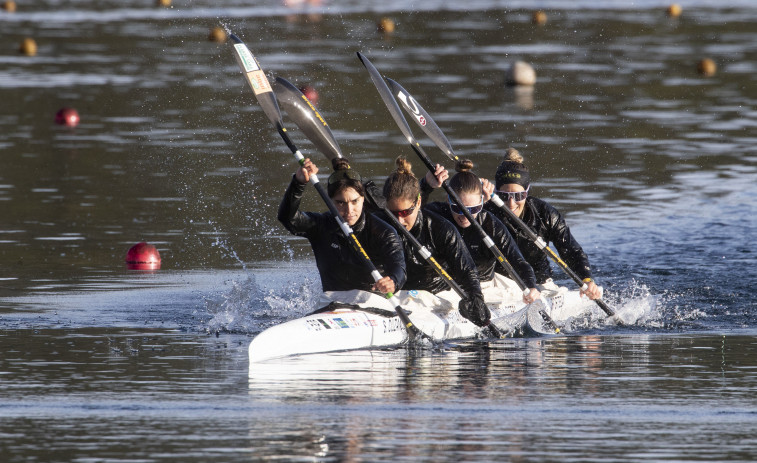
[
  {"x": 422, "y": 120},
  {"x": 248, "y": 62}
]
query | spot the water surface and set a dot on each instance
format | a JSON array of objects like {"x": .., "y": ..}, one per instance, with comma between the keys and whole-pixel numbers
[{"x": 652, "y": 164}]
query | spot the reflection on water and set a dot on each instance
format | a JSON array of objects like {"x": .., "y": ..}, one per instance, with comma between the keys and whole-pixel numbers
[
  {"x": 145, "y": 394},
  {"x": 571, "y": 395}
]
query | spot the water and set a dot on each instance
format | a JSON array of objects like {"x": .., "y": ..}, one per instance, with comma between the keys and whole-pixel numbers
[{"x": 653, "y": 165}]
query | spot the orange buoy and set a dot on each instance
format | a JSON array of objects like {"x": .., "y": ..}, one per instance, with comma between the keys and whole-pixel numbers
[
  {"x": 707, "y": 67},
  {"x": 28, "y": 47},
  {"x": 164, "y": 3},
  {"x": 143, "y": 256},
  {"x": 674, "y": 10},
  {"x": 310, "y": 93},
  {"x": 386, "y": 25},
  {"x": 218, "y": 34},
  {"x": 67, "y": 116},
  {"x": 9, "y": 6},
  {"x": 539, "y": 18}
]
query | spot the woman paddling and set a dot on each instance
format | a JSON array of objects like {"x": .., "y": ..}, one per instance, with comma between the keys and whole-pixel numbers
[
  {"x": 403, "y": 199},
  {"x": 469, "y": 188},
  {"x": 512, "y": 183},
  {"x": 339, "y": 265}
]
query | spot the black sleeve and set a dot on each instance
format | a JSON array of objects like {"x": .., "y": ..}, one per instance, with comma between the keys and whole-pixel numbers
[
  {"x": 389, "y": 251},
  {"x": 426, "y": 190},
  {"x": 451, "y": 248},
  {"x": 567, "y": 246},
  {"x": 297, "y": 222},
  {"x": 505, "y": 243},
  {"x": 374, "y": 197},
  {"x": 439, "y": 208}
]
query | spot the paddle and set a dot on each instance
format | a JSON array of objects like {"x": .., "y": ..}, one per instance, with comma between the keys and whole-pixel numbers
[
  {"x": 433, "y": 131},
  {"x": 265, "y": 96},
  {"x": 309, "y": 120},
  {"x": 394, "y": 110}
]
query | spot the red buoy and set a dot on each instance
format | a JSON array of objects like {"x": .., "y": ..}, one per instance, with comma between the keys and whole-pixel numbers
[
  {"x": 310, "y": 93},
  {"x": 67, "y": 116},
  {"x": 143, "y": 256}
]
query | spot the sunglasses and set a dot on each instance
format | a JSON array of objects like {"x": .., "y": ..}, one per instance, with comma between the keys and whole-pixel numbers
[
  {"x": 347, "y": 174},
  {"x": 472, "y": 209},
  {"x": 405, "y": 212},
  {"x": 517, "y": 196}
]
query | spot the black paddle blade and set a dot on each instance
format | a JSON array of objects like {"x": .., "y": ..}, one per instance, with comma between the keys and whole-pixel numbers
[
  {"x": 302, "y": 112},
  {"x": 421, "y": 117},
  {"x": 258, "y": 81},
  {"x": 388, "y": 98}
]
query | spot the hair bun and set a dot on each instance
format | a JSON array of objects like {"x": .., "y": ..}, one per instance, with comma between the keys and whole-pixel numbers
[
  {"x": 513, "y": 155},
  {"x": 403, "y": 166},
  {"x": 340, "y": 164},
  {"x": 464, "y": 165}
]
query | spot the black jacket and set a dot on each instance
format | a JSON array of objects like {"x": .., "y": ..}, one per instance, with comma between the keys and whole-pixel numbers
[
  {"x": 339, "y": 264},
  {"x": 549, "y": 224},
  {"x": 485, "y": 261},
  {"x": 447, "y": 247}
]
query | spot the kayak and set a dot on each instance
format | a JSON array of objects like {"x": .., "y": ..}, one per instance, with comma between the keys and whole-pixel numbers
[{"x": 350, "y": 320}]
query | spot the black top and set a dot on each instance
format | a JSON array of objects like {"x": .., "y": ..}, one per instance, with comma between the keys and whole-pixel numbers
[
  {"x": 339, "y": 264},
  {"x": 485, "y": 260},
  {"x": 447, "y": 247},
  {"x": 548, "y": 223}
]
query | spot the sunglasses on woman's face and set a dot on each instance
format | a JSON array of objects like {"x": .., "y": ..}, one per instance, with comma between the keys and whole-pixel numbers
[
  {"x": 404, "y": 212},
  {"x": 517, "y": 196},
  {"x": 472, "y": 209}
]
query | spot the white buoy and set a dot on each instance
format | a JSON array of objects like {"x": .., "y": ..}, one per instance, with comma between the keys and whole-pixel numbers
[{"x": 520, "y": 73}]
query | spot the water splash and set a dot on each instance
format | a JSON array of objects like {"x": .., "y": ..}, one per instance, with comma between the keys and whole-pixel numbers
[
  {"x": 249, "y": 308},
  {"x": 636, "y": 305},
  {"x": 227, "y": 250}
]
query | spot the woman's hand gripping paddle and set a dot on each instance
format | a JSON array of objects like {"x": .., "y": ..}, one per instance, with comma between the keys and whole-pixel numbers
[
  {"x": 267, "y": 99},
  {"x": 304, "y": 114},
  {"x": 394, "y": 110}
]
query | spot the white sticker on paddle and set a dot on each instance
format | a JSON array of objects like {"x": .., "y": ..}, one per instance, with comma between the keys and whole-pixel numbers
[
  {"x": 259, "y": 82},
  {"x": 413, "y": 107},
  {"x": 248, "y": 61}
]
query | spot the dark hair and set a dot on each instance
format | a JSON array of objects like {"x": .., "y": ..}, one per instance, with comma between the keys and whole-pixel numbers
[
  {"x": 512, "y": 170},
  {"x": 402, "y": 184},
  {"x": 344, "y": 177},
  {"x": 465, "y": 181}
]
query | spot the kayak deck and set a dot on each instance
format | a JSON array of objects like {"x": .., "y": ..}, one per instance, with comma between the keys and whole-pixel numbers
[{"x": 364, "y": 320}]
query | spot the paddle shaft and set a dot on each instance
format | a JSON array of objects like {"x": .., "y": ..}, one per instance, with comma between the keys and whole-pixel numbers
[
  {"x": 304, "y": 114},
  {"x": 267, "y": 99},
  {"x": 394, "y": 110},
  {"x": 427, "y": 124},
  {"x": 426, "y": 255},
  {"x": 484, "y": 236},
  {"x": 350, "y": 234},
  {"x": 541, "y": 244}
]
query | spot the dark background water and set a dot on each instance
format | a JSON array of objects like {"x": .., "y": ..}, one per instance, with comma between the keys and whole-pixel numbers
[{"x": 653, "y": 165}]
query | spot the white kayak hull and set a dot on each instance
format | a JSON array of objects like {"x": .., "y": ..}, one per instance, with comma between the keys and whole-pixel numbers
[{"x": 365, "y": 320}]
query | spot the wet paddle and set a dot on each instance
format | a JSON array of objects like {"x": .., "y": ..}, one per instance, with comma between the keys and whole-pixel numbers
[
  {"x": 427, "y": 124},
  {"x": 267, "y": 100},
  {"x": 304, "y": 114},
  {"x": 394, "y": 110}
]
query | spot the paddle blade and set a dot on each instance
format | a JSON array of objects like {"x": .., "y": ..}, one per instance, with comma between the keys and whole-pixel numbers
[
  {"x": 421, "y": 117},
  {"x": 388, "y": 98},
  {"x": 302, "y": 112},
  {"x": 257, "y": 80}
]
